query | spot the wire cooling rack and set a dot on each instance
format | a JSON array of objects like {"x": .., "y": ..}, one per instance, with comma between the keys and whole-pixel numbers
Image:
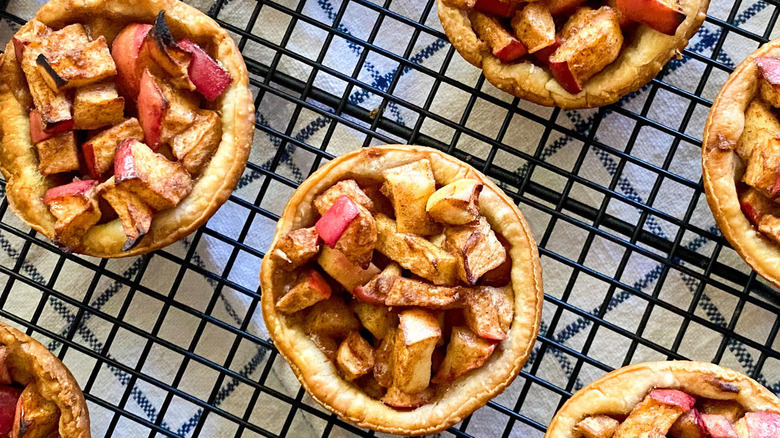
[{"x": 693, "y": 251}]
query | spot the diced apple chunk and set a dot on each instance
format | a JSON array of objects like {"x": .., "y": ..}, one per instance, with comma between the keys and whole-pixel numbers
[
  {"x": 689, "y": 425},
  {"x": 456, "y": 203},
  {"x": 410, "y": 292},
  {"x": 40, "y": 132},
  {"x": 588, "y": 51},
  {"x": 160, "y": 50},
  {"x": 158, "y": 182},
  {"x": 296, "y": 248},
  {"x": 383, "y": 359},
  {"x": 343, "y": 270},
  {"x": 577, "y": 21},
  {"x": 195, "y": 146},
  {"x": 163, "y": 111},
  {"x": 126, "y": 50},
  {"x": 415, "y": 340},
  {"x": 761, "y": 172},
  {"x": 769, "y": 68},
  {"x": 415, "y": 253},
  {"x": 651, "y": 417},
  {"x": 310, "y": 289},
  {"x": 54, "y": 107},
  {"x": 761, "y": 128},
  {"x": 477, "y": 248},
  {"x": 349, "y": 188},
  {"x": 75, "y": 206},
  {"x": 210, "y": 78},
  {"x": 331, "y": 317},
  {"x": 730, "y": 409},
  {"x": 35, "y": 416},
  {"x": 504, "y": 46},
  {"x": 33, "y": 32},
  {"x": 597, "y": 426},
  {"x": 135, "y": 215},
  {"x": 58, "y": 154},
  {"x": 465, "y": 352},
  {"x": 336, "y": 219},
  {"x": 350, "y": 228},
  {"x": 534, "y": 26},
  {"x": 355, "y": 357},
  {"x": 376, "y": 290},
  {"x": 409, "y": 187},
  {"x": 502, "y": 275},
  {"x": 96, "y": 106},
  {"x": 99, "y": 151},
  {"x": 76, "y": 60},
  {"x": 377, "y": 319},
  {"x": 327, "y": 345},
  {"x": 665, "y": 16},
  {"x": 717, "y": 426},
  {"x": 763, "y": 424},
  {"x": 489, "y": 312}
]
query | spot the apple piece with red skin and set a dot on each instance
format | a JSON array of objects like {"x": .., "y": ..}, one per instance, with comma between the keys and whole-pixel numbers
[
  {"x": 375, "y": 291},
  {"x": 689, "y": 425},
  {"x": 160, "y": 183},
  {"x": 209, "y": 77},
  {"x": 770, "y": 82},
  {"x": 34, "y": 416},
  {"x": 76, "y": 188},
  {"x": 497, "y": 7},
  {"x": 161, "y": 53},
  {"x": 126, "y": 51},
  {"x": 415, "y": 340},
  {"x": 34, "y": 31},
  {"x": 9, "y": 397},
  {"x": 544, "y": 55},
  {"x": 152, "y": 106},
  {"x": 39, "y": 132},
  {"x": 534, "y": 26},
  {"x": 673, "y": 397},
  {"x": 717, "y": 426},
  {"x": 135, "y": 215},
  {"x": 763, "y": 424},
  {"x": 99, "y": 151},
  {"x": 341, "y": 269},
  {"x": 665, "y": 16},
  {"x": 75, "y": 206},
  {"x": 333, "y": 222},
  {"x": 310, "y": 289},
  {"x": 504, "y": 45}
]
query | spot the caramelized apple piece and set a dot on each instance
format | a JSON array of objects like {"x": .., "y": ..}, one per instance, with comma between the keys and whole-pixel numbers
[
  {"x": 588, "y": 51},
  {"x": 160, "y": 49},
  {"x": 505, "y": 47},
  {"x": 58, "y": 154},
  {"x": 377, "y": 319},
  {"x": 535, "y": 27},
  {"x": 9, "y": 399},
  {"x": 465, "y": 352},
  {"x": 597, "y": 426},
  {"x": 71, "y": 60},
  {"x": 761, "y": 172},
  {"x": 375, "y": 291},
  {"x": 730, "y": 409},
  {"x": 655, "y": 415},
  {"x": 349, "y": 228},
  {"x": 456, "y": 203},
  {"x": 54, "y": 107},
  {"x": 296, "y": 248},
  {"x": 310, "y": 289},
  {"x": 195, "y": 146},
  {"x": 355, "y": 357},
  {"x": 415, "y": 340},
  {"x": 689, "y": 425},
  {"x": 75, "y": 206},
  {"x": 35, "y": 417},
  {"x": 96, "y": 106},
  {"x": 502, "y": 275},
  {"x": 383, "y": 359},
  {"x": 33, "y": 31},
  {"x": 100, "y": 150},
  {"x": 135, "y": 215},
  {"x": 409, "y": 292},
  {"x": 399, "y": 399},
  {"x": 415, "y": 253},
  {"x": 716, "y": 426},
  {"x": 158, "y": 182},
  {"x": 477, "y": 248},
  {"x": 207, "y": 74},
  {"x": 343, "y": 270},
  {"x": 409, "y": 187},
  {"x": 761, "y": 128},
  {"x": 489, "y": 312},
  {"x": 577, "y": 21},
  {"x": 332, "y": 318},
  {"x": 163, "y": 111},
  {"x": 327, "y": 345},
  {"x": 349, "y": 188},
  {"x": 558, "y": 7},
  {"x": 126, "y": 50},
  {"x": 665, "y": 16},
  {"x": 41, "y": 132},
  {"x": 769, "y": 68}
]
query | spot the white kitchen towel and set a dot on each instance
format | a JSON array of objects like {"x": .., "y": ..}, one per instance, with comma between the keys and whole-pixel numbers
[{"x": 178, "y": 324}]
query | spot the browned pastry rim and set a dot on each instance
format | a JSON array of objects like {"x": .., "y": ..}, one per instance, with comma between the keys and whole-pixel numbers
[
  {"x": 638, "y": 63},
  {"x": 318, "y": 374},
  {"x": 722, "y": 167},
  {"x": 18, "y": 158},
  {"x": 28, "y": 361},
  {"x": 619, "y": 391}
]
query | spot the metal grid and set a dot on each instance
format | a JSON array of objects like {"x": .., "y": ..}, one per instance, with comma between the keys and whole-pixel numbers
[{"x": 707, "y": 267}]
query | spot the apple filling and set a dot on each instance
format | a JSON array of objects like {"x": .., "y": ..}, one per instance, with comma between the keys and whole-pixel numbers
[
  {"x": 129, "y": 125},
  {"x": 759, "y": 150},
  {"x": 676, "y": 414},
  {"x": 574, "y": 39},
  {"x": 410, "y": 288}
]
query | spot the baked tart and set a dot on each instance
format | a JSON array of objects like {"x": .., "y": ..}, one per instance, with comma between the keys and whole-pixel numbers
[
  {"x": 740, "y": 158},
  {"x": 403, "y": 287},
  {"x": 38, "y": 396},
  {"x": 570, "y": 53},
  {"x": 677, "y": 399},
  {"x": 126, "y": 124}
]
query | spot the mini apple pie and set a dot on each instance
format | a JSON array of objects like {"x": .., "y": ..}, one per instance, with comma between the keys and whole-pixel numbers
[
  {"x": 570, "y": 53},
  {"x": 741, "y": 160},
  {"x": 403, "y": 287},
  {"x": 38, "y": 396},
  {"x": 676, "y": 399},
  {"x": 126, "y": 123}
]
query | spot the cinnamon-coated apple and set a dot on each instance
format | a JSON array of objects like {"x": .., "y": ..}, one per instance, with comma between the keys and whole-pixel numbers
[
  {"x": 75, "y": 206},
  {"x": 34, "y": 416},
  {"x": 209, "y": 77},
  {"x": 665, "y": 16},
  {"x": 347, "y": 273},
  {"x": 134, "y": 213},
  {"x": 97, "y": 106},
  {"x": 415, "y": 340},
  {"x": 456, "y": 203},
  {"x": 310, "y": 289},
  {"x": 355, "y": 357},
  {"x": 58, "y": 154},
  {"x": 465, "y": 352},
  {"x": 331, "y": 317},
  {"x": 504, "y": 46},
  {"x": 126, "y": 50},
  {"x": 376, "y": 318},
  {"x": 534, "y": 26},
  {"x": 99, "y": 151},
  {"x": 194, "y": 147}
]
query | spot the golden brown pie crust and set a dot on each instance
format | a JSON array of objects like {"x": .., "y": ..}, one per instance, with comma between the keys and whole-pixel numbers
[
  {"x": 28, "y": 361},
  {"x": 637, "y": 64},
  {"x": 318, "y": 374},
  {"x": 619, "y": 391},
  {"x": 722, "y": 167},
  {"x": 19, "y": 162}
]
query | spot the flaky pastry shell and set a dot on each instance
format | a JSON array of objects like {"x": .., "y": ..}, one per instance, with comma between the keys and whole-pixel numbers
[
  {"x": 619, "y": 391},
  {"x": 319, "y": 375},
  {"x": 638, "y": 62},
  {"x": 722, "y": 168},
  {"x": 28, "y": 361},
  {"x": 19, "y": 161}
]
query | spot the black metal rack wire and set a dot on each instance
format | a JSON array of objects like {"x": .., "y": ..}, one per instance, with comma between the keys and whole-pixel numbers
[{"x": 710, "y": 267}]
